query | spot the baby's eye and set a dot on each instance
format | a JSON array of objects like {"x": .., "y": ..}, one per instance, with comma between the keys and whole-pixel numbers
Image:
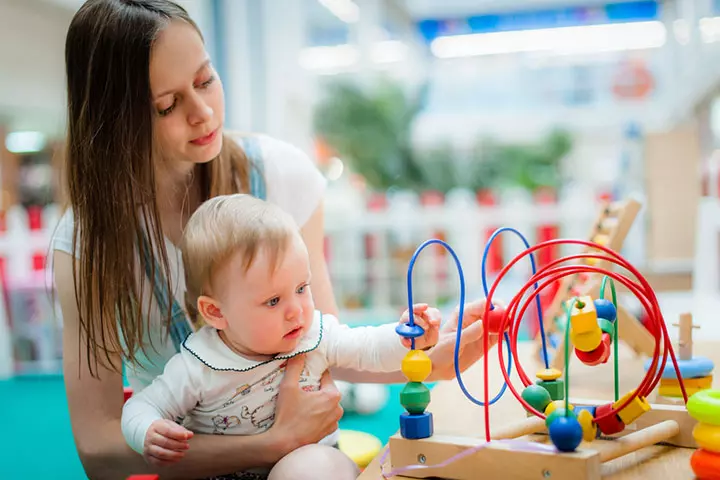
[
  {"x": 273, "y": 301},
  {"x": 302, "y": 289}
]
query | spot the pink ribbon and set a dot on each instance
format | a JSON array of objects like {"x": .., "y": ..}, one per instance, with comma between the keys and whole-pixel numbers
[{"x": 511, "y": 444}]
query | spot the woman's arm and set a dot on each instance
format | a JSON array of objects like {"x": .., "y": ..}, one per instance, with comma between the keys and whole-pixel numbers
[
  {"x": 96, "y": 404},
  {"x": 313, "y": 232}
]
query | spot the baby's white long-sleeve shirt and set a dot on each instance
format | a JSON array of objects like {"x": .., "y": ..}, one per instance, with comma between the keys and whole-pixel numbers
[{"x": 217, "y": 391}]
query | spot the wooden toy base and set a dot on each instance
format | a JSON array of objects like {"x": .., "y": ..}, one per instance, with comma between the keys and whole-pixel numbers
[{"x": 667, "y": 424}]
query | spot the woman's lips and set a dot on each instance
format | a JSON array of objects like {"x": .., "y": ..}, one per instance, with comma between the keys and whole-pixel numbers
[{"x": 202, "y": 141}]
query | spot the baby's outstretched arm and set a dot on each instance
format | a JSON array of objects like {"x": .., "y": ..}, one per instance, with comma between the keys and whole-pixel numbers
[{"x": 378, "y": 348}]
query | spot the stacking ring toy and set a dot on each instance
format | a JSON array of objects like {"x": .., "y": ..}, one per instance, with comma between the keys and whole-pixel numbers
[
  {"x": 704, "y": 406},
  {"x": 695, "y": 367},
  {"x": 707, "y": 436},
  {"x": 705, "y": 465}
]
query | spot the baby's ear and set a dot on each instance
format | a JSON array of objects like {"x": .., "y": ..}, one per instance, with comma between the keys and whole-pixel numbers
[{"x": 209, "y": 308}]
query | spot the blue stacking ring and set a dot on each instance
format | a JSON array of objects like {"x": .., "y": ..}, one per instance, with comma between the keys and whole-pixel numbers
[
  {"x": 410, "y": 331},
  {"x": 693, "y": 368}
]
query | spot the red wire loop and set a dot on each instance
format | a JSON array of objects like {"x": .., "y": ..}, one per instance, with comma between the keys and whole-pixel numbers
[{"x": 555, "y": 271}]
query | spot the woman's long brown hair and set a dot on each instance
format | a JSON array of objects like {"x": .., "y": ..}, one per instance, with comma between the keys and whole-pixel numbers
[{"x": 109, "y": 170}]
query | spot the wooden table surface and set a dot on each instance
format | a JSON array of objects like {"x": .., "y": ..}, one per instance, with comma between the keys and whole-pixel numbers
[{"x": 454, "y": 414}]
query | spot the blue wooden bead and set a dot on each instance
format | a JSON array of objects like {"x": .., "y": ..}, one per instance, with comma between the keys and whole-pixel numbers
[
  {"x": 410, "y": 331},
  {"x": 605, "y": 309},
  {"x": 590, "y": 409},
  {"x": 416, "y": 426},
  {"x": 566, "y": 433}
]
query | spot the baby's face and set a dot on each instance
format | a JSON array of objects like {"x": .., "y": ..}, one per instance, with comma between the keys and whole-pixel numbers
[{"x": 268, "y": 312}]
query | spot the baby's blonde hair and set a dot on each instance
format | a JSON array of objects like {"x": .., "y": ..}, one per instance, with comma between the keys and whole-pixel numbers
[{"x": 226, "y": 225}]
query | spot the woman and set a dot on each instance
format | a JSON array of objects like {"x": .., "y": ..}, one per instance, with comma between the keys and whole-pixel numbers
[{"x": 145, "y": 147}]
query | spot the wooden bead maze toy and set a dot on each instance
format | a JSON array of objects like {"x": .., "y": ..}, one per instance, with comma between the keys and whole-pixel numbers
[
  {"x": 582, "y": 434},
  {"x": 610, "y": 229}
]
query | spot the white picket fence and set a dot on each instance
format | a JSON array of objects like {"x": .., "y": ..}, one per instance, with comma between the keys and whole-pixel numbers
[{"x": 368, "y": 251}]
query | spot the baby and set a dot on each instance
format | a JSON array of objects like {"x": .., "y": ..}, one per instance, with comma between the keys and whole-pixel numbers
[{"x": 248, "y": 279}]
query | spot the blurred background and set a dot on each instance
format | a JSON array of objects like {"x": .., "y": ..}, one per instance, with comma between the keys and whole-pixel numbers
[{"x": 430, "y": 119}]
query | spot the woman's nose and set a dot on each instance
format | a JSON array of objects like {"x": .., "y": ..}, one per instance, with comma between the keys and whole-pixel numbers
[{"x": 200, "y": 111}]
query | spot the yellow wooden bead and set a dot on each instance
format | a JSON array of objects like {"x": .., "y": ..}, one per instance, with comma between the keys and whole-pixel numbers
[
  {"x": 707, "y": 436},
  {"x": 699, "y": 382},
  {"x": 583, "y": 317},
  {"x": 589, "y": 428},
  {"x": 600, "y": 239},
  {"x": 416, "y": 366},
  {"x": 674, "y": 391},
  {"x": 556, "y": 404},
  {"x": 634, "y": 410},
  {"x": 548, "y": 374},
  {"x": 588, "y": 341}
]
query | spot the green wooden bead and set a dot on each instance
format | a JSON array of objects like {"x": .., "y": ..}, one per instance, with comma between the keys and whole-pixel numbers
[
  {"x": 415, "y": 397},
  {"x": 606, "y": 326},
  {"x": 558, "y": 412},
  {"x": 537, "y": 397},
  {"x": 556, "y": 388}
]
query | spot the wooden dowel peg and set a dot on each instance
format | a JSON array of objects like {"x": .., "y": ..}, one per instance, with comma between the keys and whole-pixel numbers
[
  {"x": 640, "y": 439},
  {"x": 685, "y": 342},
  {"x": 528, "y": 426}
]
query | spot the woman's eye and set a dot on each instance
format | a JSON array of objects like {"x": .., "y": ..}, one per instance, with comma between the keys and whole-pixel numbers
[
  {"x": 167, "y": 111},
  {"x": 207, "y": 82},
  {"x": 273, "y": 301}
]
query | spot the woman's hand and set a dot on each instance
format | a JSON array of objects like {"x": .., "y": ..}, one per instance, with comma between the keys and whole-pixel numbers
[
  {"x": 471, "y": 342},
  {"x": 304, "y": 417}
]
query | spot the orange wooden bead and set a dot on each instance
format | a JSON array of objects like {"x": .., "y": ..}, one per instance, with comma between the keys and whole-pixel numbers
[
  {"x": 611, "y": 424},
  {"x": 705, "y": 464}
]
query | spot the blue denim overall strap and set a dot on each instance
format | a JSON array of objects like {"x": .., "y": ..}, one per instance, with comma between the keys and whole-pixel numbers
[
  {"x": 180, "y": 326},
  {"x": 252, "y": 150}
]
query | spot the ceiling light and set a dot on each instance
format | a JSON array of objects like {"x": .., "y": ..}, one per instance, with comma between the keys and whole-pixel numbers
[
  {"x": 563, "y": 40},
  {"x": 25, "y": 142}
]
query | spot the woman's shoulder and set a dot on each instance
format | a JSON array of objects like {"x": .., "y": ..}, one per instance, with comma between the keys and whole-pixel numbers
[
  {"x": 62, "y": 238},
  {"x": 279, "y": 156},
  {"x": 292, "y": 179}
]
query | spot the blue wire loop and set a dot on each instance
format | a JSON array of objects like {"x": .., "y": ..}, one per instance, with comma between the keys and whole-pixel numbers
[
  {"x": 412, "y": 330},
  {"x": 537, "y": 297}
]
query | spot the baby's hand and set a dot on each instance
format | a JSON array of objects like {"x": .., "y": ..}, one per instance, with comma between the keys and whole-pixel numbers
[
  {"x": 166, "y": 442},
  {"x": 429, "y": 319}
]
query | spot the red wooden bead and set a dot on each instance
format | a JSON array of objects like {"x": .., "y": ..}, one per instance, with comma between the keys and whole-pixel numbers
[
  {"x": 600, "y": 355},
  {"x": 609, "y": 425},
  {"x": 495, "y": 319}
]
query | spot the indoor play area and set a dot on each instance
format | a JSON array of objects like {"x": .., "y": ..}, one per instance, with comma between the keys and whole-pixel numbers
[{"x": 558, "y": 158}]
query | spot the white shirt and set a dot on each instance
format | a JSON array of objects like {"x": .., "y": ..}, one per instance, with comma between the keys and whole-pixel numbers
[
  {"x": 217, "y": 391},
  {"x": 292, "y": 182}
]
